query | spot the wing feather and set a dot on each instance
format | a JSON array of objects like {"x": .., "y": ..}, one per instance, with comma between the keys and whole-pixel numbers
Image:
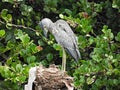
[{"x": 67, "y": 38}]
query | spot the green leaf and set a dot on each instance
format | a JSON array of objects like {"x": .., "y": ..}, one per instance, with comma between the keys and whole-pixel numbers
[
  {"x": 25, "y": 39},
  {"x": 69, "y": 12},
  {"x": 22, "y": 36},
  {"x": 49, "y": 56},
  {"x": 90, "y": 80},
  {"x": 33, "y": 48},
  {"x": 29, "y": 9},
  {"x": 37, "y": 33},
  {"x": 2, "y": 33},
  {"x": 4, "y": 13},
  {"x": 91, "y": 40},
  {"x": 116, "y": 71},
  {"x": 19, "y": 67},
  {"x": 85, "y": 25},
  {"x": 8, "y": 25},
  {"x": 10, "y": 1},
  {"x": 108, "y": 34},
  {"x": 82, "y": 40},
  {"x": 31, "y": 59},
  {"x": 23, "y": 52},
  {"x": 5, "y": 72},
  {"x": 57, "y": 46},
  {"x": 9, "y": 17},
  {"x": 61, "y": 15},
  {"x": 82, "y": 80},
  {"x": 22, "y": 78},
  {"x": 116, "y": 4},
  {"x": 25, "y": 9},
  {"x": 18, "y": 33},
  {"x": 117, "y": 38},
  {"x": 41, "y": 43}
]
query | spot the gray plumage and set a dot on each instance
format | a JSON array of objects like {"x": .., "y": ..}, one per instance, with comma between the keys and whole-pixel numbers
[{"x": 63, "y": 35}]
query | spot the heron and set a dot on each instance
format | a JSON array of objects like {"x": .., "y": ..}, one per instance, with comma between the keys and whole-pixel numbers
[{"x": 64, "y": 36}]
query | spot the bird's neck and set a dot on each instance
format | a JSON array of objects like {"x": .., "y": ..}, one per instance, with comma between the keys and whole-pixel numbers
[{"x": 53, "y": 29}]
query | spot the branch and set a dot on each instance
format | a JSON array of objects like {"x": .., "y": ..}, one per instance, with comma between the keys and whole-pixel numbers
[
  {"x": 95, "y": 73},
  {"x": 2, "y": 22},
  {"x": 22, "y": 26},
  {"x": 19, "y": 26}
]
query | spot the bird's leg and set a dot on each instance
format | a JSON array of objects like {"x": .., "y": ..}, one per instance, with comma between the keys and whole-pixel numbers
[{"x": 63, "y": 60}]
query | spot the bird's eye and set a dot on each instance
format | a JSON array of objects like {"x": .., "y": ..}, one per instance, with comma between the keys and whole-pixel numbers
[{"x": 60, "y": 25}]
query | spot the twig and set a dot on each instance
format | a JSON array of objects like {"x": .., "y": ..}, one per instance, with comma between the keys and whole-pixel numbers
[
  {"x": 95, "y": 73},
  {"x": 19, "y": 26},
  {"x": 2, "y": 22},
  {"x": 22, "y": 26}
]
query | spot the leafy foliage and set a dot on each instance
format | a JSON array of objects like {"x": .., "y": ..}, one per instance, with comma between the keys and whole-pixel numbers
[{"x": 22, "y": 45}]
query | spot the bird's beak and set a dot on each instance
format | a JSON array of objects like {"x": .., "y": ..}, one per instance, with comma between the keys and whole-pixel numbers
[{"x": 45, "y": 31}]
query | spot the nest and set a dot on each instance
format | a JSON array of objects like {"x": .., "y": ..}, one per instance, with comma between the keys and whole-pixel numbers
[{"x": 52, "y": 78}]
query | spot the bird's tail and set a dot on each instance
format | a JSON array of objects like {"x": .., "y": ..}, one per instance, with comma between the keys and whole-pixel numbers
[
  {"x": 78, "y": 55},
  {"x": 74, "y": 53}
]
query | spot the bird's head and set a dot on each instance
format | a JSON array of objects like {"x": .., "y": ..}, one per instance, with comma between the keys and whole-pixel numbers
[{"x": 45, "y": 25}]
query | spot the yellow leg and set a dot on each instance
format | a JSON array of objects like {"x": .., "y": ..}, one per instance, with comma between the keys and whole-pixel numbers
[{"x": 64, "y": 60}]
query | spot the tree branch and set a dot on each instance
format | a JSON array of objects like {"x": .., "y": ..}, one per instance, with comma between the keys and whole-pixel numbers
[
  {"x": 19, "y": 26},
  {"x": 22, "y": 26}
]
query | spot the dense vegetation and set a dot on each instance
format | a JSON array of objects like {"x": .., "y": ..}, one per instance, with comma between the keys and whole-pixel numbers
[{"x": 22, "y": 44}]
